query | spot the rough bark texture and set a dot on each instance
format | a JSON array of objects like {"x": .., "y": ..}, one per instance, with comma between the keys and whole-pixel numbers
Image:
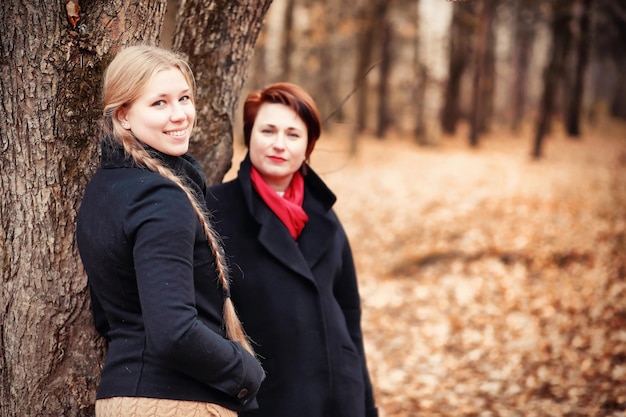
[
  {"x": 219, "y": 38},
  {"x": 51, "y": 62}
]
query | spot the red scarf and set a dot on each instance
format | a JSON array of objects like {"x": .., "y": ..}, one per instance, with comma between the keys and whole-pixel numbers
[{"x": 288, "y": 208}]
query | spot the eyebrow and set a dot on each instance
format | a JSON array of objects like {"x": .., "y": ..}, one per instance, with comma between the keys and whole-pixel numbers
[
  {"x": 182, "y": 92},
  {"x": 275, "y": 126}
]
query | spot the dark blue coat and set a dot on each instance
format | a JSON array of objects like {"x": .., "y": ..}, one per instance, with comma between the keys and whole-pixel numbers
[
  {"x": 299, "y": 301},
  {"x": 154, "y": 288}
]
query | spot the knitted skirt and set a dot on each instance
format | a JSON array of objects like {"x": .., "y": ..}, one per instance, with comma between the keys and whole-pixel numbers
[{"x": 156, "y": 407}]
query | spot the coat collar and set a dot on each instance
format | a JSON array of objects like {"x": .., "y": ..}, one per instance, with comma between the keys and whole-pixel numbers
[
  {"x": 185, "y": 166},
  {"x": 317, "y": 236}
]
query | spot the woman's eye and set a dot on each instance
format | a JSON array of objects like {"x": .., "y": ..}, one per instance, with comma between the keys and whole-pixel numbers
[
  {"x": 159, "y": 103},
  {"x": 185, "y": 98}
]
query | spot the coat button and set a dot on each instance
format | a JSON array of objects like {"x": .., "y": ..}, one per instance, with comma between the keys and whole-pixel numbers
[{"x": 242, "y": 393}]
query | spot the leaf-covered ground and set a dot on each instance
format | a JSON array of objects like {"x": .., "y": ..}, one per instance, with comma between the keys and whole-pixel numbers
[{"x": 492, "y": 284}]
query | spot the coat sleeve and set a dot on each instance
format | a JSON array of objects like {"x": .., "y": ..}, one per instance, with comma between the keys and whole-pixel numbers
[
  {"x": 347, "y": 294},
  {"x": 99, "y": 319},
  {"x": 165, "y": 228}
]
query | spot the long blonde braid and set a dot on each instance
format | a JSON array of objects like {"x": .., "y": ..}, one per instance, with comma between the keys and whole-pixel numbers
[{"x": 234, "y": 328}]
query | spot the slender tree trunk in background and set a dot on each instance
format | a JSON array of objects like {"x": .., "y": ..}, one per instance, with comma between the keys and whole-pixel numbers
[
  {"x": 51, "y": 63},
  {"x": 288, "y": 44},
  {"x": 382, "y": 120},
  {"x": 327, "y": 96},
  {"x": 489, "y": 72},
  {"x": 524, "y": 21},
  {"x": 553, "y": 73},
  {"x": 418, "y": 96},
  {"x": 364, "y": 60},
  {"x": 206, "y": 31},
  {"x": 479, "y": 83},
  {"x": 617, "y": 106},
  {"x": 572, "y": 122},
  {"x": 460, "y": 48}
]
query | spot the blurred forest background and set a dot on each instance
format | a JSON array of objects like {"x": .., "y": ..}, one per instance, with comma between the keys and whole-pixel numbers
[{"x": 419, "y": 68}]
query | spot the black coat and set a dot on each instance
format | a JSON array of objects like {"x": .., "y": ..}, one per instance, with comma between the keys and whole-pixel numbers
[
  {"x": 298, "y": 300},
  {"x": 154, "y": 288}
]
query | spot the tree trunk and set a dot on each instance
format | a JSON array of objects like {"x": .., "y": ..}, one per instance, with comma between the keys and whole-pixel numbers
[
  {"x": 383, "y": 81},
  {"x": 328, "y": 98},
  {"x": 617, "y": 106},
  {"x": 480, "y": 82},
  {"x": 288, "y": 43},
  {"x": 219, "y": 38},
  {"x": 524, "y": 21},
  {"x": 50, "y": 354},
  {"x": 459, "y": 51},
  {"x": 572, "y": 122},
  {"x": 560, "y": 45},
  {"x": 51, "y": 65},
  {"x": 366, "y": 18},
  {"x": 488, "y": 72}
]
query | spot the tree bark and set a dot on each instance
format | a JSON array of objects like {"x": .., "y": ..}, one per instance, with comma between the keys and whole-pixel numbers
[
  {"x": 572, "y": 121},
  {"x": 480, "y": 79},
  {"x": 219, "y": 38},
  {"x": 288, "y": 43},
  {"x": 524, "y": 21},
  {"x": 560, "y": 45},
  {"x": 327, "y": 98},
  {"x": 51, "y": 65},
  {"x": 459, "y": 51},
  {"x": 489, "y": 72},
  {"x": 365, "y": 17},
  {"x": 383, "y": 118}
]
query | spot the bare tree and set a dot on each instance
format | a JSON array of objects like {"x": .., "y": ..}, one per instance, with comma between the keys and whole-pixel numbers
[
  {"x": 50, "y": 355},
  {"x": 383, "y": 118},
  {"x": 481, "y": 79},
  {"x": 524, "y": 20},
  {"x": 368, "y": 18},
  {"x": 461, "y": 28},
  {"x": 561, "y": 38},
  {"x": 583, "y": 34}
]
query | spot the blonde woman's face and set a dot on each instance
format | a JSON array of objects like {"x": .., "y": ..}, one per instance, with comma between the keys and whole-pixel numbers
[
  {"x": 163, "y": 115},
  {"x": 277, "y": 144}
]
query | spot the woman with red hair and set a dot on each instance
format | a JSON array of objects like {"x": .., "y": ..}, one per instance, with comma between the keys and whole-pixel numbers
[{"x": 293, "y": 276}]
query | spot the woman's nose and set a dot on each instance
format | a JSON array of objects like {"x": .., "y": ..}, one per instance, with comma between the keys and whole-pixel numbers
[
  {"x": 279, "y": 141},
  {"x": 178, "y": 113}
]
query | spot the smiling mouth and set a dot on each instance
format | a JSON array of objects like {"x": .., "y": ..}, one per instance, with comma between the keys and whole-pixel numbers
[{"x": 177, "y": 133}]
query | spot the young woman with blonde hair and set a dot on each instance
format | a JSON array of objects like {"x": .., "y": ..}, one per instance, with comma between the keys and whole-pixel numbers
[{"x": 155, "y": 266}]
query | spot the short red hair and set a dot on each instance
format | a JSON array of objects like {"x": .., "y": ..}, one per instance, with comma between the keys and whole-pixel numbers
[{"x": 292, "y": 96}]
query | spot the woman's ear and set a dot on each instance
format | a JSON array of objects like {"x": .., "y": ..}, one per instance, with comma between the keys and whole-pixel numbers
[{"x": 121, "y": 117}]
